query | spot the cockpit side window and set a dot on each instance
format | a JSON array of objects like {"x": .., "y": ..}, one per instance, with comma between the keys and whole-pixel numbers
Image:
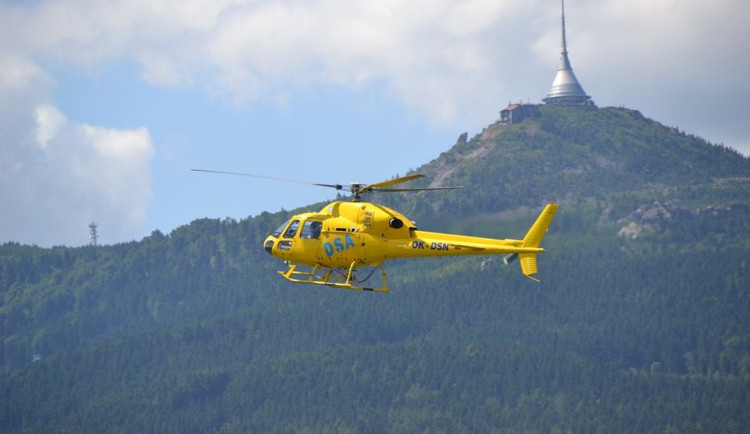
[
  {"x": 311, "y": 229},
  {"x": 291, "y": 231},
  {"x": 280, "y": 229}
]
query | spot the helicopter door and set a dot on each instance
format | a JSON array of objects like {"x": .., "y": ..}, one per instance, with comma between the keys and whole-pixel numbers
[{"x": 310, "y": 238}]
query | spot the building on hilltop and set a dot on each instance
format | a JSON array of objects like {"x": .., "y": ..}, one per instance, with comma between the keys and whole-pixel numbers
[
  {"x": 516, "y": 113},
  {"x": 566, "y": 90}
]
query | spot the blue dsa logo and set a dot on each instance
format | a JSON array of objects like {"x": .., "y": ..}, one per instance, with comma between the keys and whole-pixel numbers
[{"x": 339, "y": 245}]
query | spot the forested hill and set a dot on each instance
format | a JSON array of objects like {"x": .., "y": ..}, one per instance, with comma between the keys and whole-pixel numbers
[{"x": 640, "y": 324}]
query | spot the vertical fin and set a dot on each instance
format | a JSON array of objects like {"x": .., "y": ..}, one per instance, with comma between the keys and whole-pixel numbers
[{"x": 534, "y": 237}]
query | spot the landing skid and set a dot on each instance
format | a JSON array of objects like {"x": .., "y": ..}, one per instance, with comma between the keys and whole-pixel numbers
[{"x": 332, "y": 277}]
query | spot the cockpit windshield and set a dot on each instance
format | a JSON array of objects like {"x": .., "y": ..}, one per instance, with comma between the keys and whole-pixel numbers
[
  {"x": 278, "y": 231},
  {"x": 291, "y": 231}
]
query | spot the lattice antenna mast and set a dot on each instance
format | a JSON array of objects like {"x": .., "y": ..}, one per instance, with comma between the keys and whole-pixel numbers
[{"x": 93, "y": 234}]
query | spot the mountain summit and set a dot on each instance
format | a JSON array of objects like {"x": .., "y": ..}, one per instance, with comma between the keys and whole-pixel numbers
[{"x": 566, "y": 153}]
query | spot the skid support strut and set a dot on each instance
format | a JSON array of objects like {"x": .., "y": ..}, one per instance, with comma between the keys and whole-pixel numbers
[{"x": 334, "y": 277}]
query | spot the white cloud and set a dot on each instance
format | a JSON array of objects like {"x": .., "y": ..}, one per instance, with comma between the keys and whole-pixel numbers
[
  {"x": 56, "y": 176},
  {"x": 116, "y": 163},
  {"x": 49, "y": 122},
  {"x": 434, "y": 56},
  {"x": 429, "y": 54}
]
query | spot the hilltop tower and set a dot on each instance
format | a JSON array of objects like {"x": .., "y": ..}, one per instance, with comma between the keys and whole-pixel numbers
[
  {"x": 566, "y": 90},
  {"x": 93, "y": 234}
]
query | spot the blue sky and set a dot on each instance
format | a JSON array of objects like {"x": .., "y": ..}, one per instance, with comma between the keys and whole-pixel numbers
[{"x": 105, "y": 106}]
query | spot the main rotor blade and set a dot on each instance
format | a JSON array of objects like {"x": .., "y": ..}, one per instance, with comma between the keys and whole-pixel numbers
[
  {"x": 273, "y": 178},
  {"x": 393, "y": 181},
  {"x": 388, "y": 190},
  {"x": 355, "y": 189}
]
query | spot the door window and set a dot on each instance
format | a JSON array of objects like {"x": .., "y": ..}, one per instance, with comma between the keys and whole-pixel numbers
[{"x": 311, "y": 229}]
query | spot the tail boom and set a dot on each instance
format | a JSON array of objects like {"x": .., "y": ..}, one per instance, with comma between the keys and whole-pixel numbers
[{"x": 426, "y": 244}]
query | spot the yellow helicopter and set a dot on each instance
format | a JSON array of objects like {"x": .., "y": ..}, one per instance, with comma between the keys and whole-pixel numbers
[{"x": 328, "y": 247}]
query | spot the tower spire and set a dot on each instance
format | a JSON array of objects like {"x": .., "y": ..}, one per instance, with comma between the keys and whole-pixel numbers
[
  {"x": 564, "y": 54},
  {"x": 566, "y": 90}
]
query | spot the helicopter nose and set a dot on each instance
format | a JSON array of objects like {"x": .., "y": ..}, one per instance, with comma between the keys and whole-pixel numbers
[{"x": 268, "y": 245}]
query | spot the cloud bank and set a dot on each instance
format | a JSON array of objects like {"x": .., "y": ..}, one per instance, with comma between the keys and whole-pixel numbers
[{"x": 440, "y": 57}]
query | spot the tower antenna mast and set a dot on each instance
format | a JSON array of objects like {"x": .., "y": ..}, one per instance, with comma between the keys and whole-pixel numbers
[
  {"x": 564, "y": 42},
  {"x": 93, "y": 234}
]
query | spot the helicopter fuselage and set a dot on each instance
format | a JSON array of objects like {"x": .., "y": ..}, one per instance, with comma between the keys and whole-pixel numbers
[
  {"x": 358, "y": 234},
  {"x": 345, "y": 236}
]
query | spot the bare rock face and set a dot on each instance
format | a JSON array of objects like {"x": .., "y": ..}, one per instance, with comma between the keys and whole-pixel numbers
[
  {"x": 462, "y": 138},
  {"x": 658, "y": 217},
  {"x": 653, "y": 218}
]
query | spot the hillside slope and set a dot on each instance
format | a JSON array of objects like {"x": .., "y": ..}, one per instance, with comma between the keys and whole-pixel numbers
[
  {"x": 568, "y": 154},
  {"x": 640, "y": 324}
]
